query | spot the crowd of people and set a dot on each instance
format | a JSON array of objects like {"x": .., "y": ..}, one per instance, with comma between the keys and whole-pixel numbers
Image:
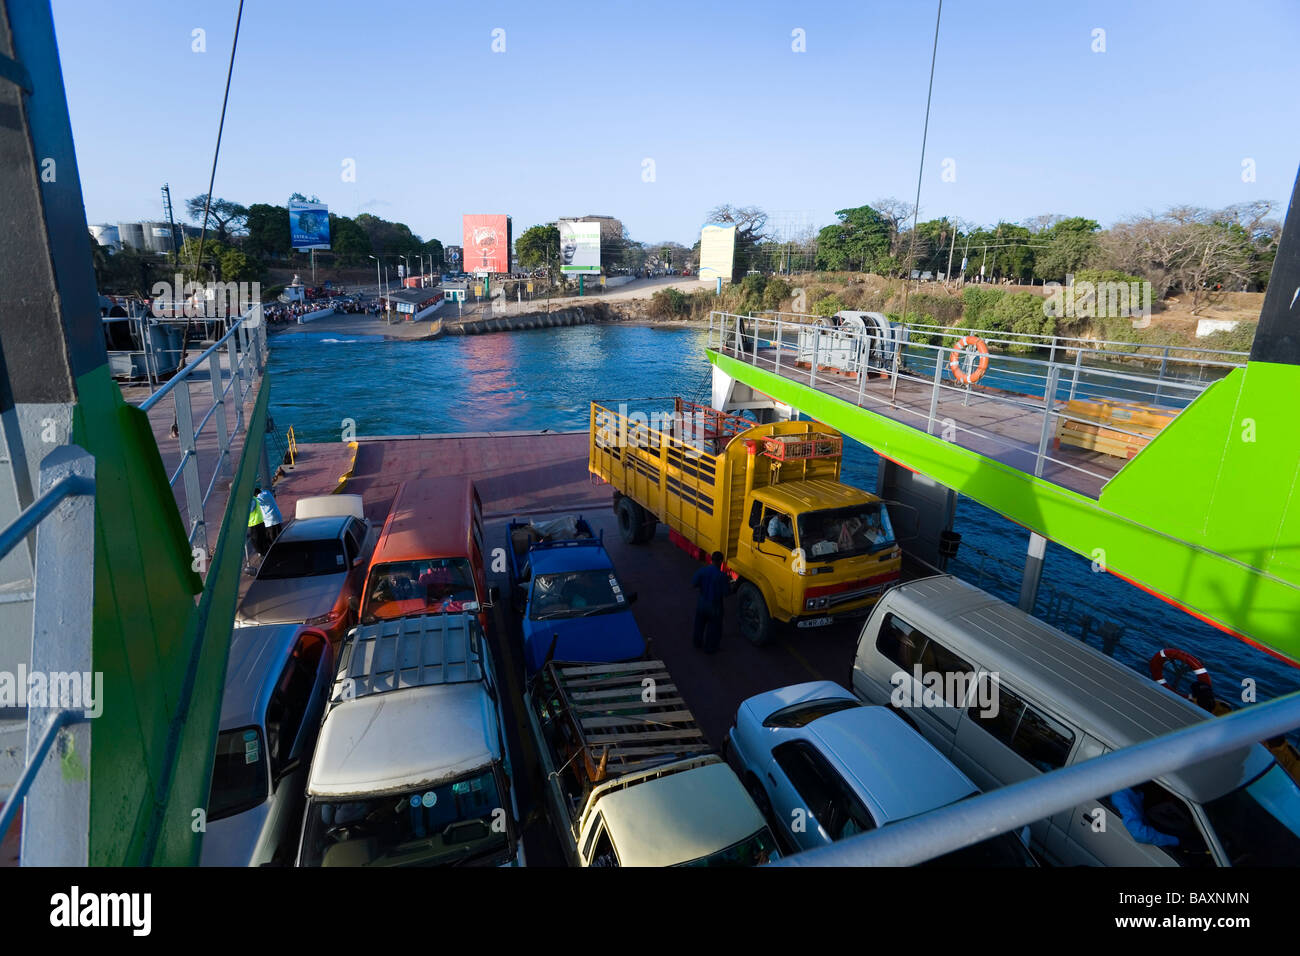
[{"x": 288, "y": 313}]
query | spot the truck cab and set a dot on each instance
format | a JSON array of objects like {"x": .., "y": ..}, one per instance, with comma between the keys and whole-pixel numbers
[
  {"x": 571, "y": 603},
  {"x": 802, "y": 533}
]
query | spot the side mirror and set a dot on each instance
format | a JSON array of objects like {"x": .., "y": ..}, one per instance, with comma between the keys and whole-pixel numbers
[
  {"x": 494, "y": 596},
  {"x": 760, "y": 534}
]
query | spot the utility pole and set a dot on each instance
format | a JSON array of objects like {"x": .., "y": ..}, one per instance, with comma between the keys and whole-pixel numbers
[{"x": 947, "y": 276}]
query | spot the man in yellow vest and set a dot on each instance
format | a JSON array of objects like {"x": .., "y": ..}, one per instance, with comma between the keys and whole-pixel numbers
[{"x": 257, "y": 527}]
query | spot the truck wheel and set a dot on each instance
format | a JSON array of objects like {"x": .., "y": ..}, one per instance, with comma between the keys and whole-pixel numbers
[
  {"x": 755, "y": 622},
  {"x": 631, "y": 519},
  {"x": 649, "y": 524}
]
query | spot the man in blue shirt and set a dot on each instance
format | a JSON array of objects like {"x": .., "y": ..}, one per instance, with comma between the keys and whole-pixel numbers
[
  {"x": 713, "y": 585},
  {"x": 1129, "y": 804},
  {"x": 271, "y": 518}
]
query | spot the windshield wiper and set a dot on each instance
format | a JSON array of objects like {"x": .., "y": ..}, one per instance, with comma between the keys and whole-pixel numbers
[{"x": 598, "y": 610}]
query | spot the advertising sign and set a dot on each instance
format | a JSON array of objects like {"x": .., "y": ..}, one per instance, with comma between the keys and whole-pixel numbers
[
  {"x": 309, "y": 225},
  {"x": 717, "y": 251},
  {"x": 487, "y": 243},
  {"x": 579, "y": 247}
]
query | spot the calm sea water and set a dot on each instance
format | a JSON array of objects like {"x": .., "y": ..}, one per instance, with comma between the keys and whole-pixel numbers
[{"x": 546, "y": 379}]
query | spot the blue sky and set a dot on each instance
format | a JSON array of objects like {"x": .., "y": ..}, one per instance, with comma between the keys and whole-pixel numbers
[{"x": 562, "y": 122}]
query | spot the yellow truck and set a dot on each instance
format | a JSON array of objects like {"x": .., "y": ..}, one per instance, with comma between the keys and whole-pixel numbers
[{"x": 805, "y": 548}]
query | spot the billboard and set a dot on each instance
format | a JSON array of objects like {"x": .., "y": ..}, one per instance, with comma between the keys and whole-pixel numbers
[
  {"x": 451, "y": 256},
  {"x": 486, "y": 243},
  {"x": 717, "y": 251},
  {"x": 309, "y": 225},
  {"x": 579, "y": 247}
]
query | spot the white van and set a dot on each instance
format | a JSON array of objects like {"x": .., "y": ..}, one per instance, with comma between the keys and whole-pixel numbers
[{"x": 1005, "y": 697}]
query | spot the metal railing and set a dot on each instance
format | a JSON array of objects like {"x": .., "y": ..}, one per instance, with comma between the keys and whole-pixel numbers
[
  {"x": 1029, "y": 385},
  {"x": 244, "y": 351},
  {"x": 58, "y": 801}
]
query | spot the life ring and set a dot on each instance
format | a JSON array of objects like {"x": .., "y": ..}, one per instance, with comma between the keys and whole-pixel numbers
[
  {"x": 1157, "y": 665},
  {"x": 958, "y": 350}
]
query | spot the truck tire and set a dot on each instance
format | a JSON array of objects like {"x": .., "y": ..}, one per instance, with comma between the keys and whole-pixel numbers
[
  {"x": 755, "y": 621},
  {"x": 649, "y": 524},
  {"x": 631, "y": 520}
]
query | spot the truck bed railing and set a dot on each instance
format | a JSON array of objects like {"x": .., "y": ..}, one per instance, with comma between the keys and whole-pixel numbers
[{"x": 619, "y": 718}]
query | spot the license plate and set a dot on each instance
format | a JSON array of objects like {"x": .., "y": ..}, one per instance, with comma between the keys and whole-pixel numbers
[{"x": 814, "y": 622}]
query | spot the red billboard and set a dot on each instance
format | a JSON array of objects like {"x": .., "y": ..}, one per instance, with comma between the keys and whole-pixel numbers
[{"x": 486, "y": 246}]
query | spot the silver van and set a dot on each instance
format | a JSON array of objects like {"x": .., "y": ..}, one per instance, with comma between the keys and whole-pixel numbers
[{"x": 1005, "y": 696}]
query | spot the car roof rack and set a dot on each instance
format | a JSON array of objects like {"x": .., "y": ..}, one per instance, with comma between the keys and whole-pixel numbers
[{"x": 419, "y": 651}]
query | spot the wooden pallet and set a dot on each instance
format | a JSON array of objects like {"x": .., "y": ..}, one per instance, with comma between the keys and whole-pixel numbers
[{"x": 619, "y": 730}]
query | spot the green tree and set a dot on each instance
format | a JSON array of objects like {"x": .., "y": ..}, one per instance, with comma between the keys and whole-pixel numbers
[
  {"x": 1070, "y": 245},
  {"x": 235, "y": 266},
  {"x": 433, "y": 249},
  {"x": 1020, "y": 312},
  {"x": 978, "y": 303},
  {"x": 860, "y": 240},
  {"x": 538, "y": 246},
  {"x": 774, "y": 293},
  {"x": 224, "y": 216},
  {"x": 268, "y": 231},
  {"x": 348, "y": 241}
]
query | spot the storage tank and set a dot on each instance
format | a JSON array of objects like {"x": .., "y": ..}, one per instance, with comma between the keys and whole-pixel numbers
[
  {"x": 132, "y": 234},
  {"x": 106, "y": 236},
  {"x": 157, "y": 237}
]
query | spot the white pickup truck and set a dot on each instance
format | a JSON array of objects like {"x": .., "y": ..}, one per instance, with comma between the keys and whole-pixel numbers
[{"x": 630, "y": 779}]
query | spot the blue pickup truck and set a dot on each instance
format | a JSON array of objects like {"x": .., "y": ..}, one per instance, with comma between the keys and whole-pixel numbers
[{"x": 563, "y": 585}]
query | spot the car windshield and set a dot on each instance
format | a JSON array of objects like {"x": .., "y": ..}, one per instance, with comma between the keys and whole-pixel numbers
[
  {"x": 754, "y": 850},
  {"x": 1259, "y": 824},
  {"x": 238, "y": 773},
  {"x": 844, "y": 532},
  {"x": 457, "y": 822},
  {"x": 432, "y": 586},
  {"x": 576, "y": 594},
  {"x": 302, "y": 559}
]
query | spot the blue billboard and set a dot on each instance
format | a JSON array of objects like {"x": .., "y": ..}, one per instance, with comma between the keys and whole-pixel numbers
[{"x": 309, "y": 225}]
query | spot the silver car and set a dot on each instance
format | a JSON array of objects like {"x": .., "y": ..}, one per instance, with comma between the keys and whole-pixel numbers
[
  {"x": 277, "y": 679},
  {"x": 311, "y": 572}
]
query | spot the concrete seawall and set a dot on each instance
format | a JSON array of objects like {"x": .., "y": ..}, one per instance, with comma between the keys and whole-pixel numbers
[{"x": 529, "y": 320}]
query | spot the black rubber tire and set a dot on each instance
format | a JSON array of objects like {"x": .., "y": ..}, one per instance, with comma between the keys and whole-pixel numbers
[
  {"x": 631, "y": 519},
  {"x": 755, "y": 621},
  {"x": 649, "y": 524}
]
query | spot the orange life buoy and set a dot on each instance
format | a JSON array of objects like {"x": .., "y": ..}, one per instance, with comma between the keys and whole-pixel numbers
[
  {"x": 1157, "y": 665},
  {"x": 958, "y": 350}
]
